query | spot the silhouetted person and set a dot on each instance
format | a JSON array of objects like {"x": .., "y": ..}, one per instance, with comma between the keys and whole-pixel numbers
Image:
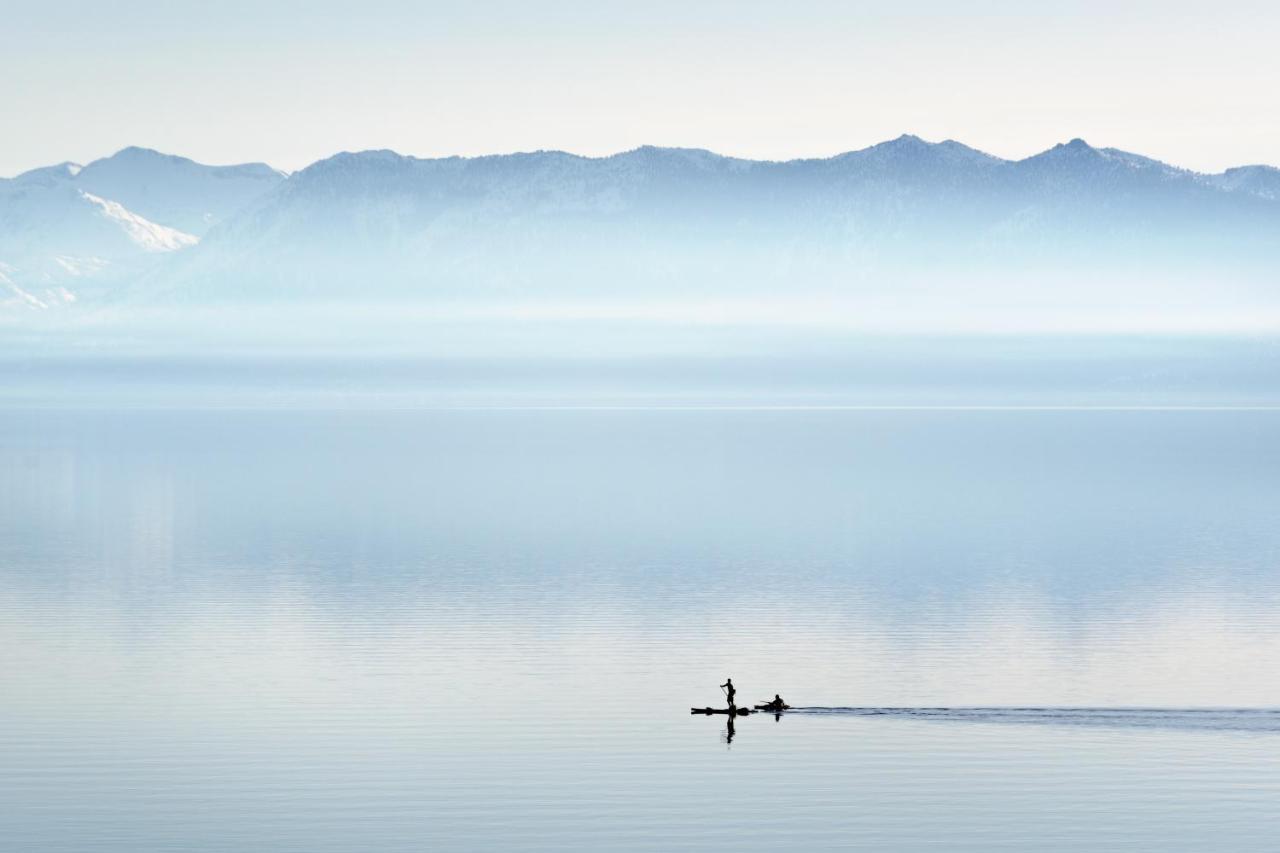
[
  {"x": 729, "y": 691},
  {"x": 777, "y": 702}
]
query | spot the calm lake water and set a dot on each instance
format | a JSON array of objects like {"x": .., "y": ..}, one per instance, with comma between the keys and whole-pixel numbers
[{"x": 483, "y": 630}]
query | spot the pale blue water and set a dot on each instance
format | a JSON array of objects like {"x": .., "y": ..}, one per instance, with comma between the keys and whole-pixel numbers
[{"x": 483, "y": 630}]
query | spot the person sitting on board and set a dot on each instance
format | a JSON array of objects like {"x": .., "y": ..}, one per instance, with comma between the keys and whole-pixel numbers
[
  {"x": 777, "y": 702},
  {"x": 728, "y": 690}
]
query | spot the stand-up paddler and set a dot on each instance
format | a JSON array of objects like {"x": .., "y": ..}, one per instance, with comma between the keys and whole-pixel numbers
[{"x": 729, "y": 691}]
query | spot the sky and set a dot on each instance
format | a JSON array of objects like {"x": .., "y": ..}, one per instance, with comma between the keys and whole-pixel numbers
[{"x": 1194, "y": 84}]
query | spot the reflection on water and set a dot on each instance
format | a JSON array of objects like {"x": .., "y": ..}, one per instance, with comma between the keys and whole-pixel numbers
[{"x": 410, "y": 630}]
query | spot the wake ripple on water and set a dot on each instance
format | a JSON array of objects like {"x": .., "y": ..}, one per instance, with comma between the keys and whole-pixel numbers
[{"x": 1208, "y": 719}]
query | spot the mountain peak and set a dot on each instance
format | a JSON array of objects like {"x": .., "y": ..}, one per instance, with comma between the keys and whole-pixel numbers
[
  {"x": 139, "y": 151},
  {"x": 370, "y": 155},
  {"x": 666, "y": 149},
  {"x": 909, "y": 148},
  {"x": 1076, "y": 148},
  {"x": 905, "y": 142},
  {"x": 660, "y": 153},
  {"x": 355, "y": 161},
  {"x": 135, "y": 157}
]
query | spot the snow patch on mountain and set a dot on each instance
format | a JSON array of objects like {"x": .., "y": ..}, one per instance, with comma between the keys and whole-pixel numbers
[
  {"x": 80, "y": 267},
  {"x": 14, "y": 296},
  {"x": 149, "y": 236}
]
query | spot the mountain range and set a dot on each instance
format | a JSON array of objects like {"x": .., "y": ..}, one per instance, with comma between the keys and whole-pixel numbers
[{"x": 144, "y": 228}]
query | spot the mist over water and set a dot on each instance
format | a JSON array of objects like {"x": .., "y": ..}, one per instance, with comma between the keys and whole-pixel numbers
[
  {"x": 621, "y": 364},
  {"x": 317, "y": 629}
]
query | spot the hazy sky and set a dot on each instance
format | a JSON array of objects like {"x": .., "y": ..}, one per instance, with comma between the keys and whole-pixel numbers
[{"x": 1196, "y": 84}]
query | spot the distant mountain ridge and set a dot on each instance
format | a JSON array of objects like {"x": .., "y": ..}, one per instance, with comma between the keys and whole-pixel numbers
[{"x": 380, "y": 226}]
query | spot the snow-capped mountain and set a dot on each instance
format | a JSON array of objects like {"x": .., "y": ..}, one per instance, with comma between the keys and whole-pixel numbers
[
  {"x": 178, "y": 192},
  {"x": 378, "y": 225},
  {"x": 68, "y": 232},
  {"x": 56, "y": 238},
  {"x": 906, "y": 220}
]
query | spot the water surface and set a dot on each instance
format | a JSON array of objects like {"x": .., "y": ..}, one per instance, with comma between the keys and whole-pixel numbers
[{"x": 454, "y": 629}]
